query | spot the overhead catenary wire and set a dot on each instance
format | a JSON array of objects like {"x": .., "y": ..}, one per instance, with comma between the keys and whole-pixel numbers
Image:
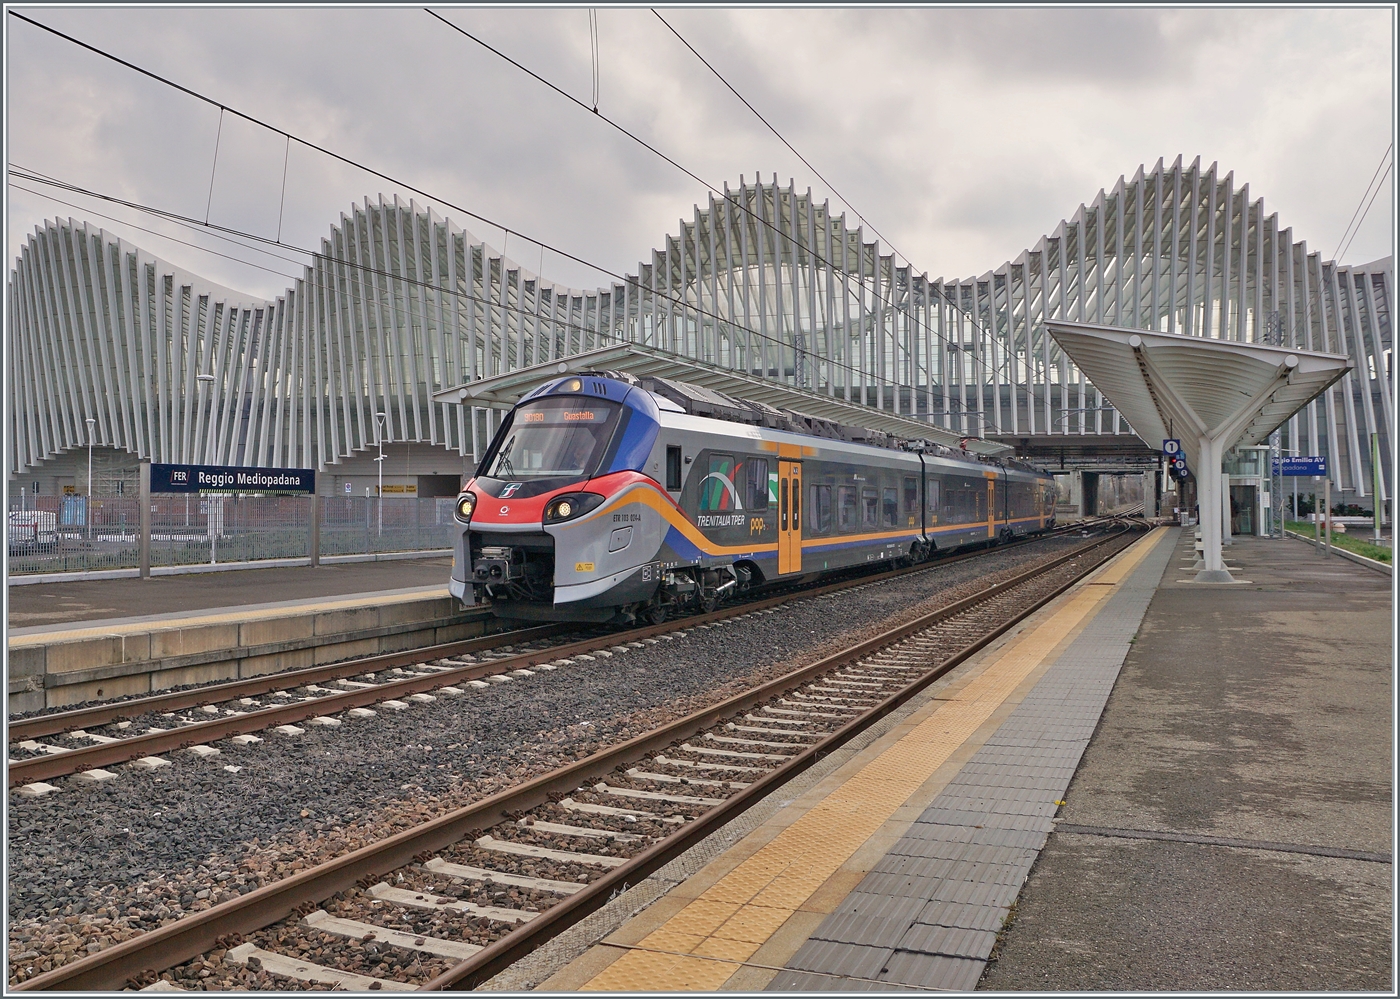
[
  {"x": 218, "y": 136},
  {"x": 876, "y": 295},
  {"x": 282, "y": 204},
  {"x": 224, "y": 232},
  {"x": 659, "y": 294},
  {"x": 219, "y": 232},
  {"x": 684, "y": 305},
  {"x": 339, "y": 157},
  {"x": 1004, "y": 368},
  {"x": 709, "y": 186},
  {"x": 404, "y": 312},
  {"x": 593, "y": 46},
  {"x": 781, "y": 138},
  {"x": 1336, "y": 254},
  {"x": 1379, "y": 188}
]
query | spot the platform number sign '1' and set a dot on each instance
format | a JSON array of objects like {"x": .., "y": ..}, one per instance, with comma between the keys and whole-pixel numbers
[{"x": 1171, "y": 447}]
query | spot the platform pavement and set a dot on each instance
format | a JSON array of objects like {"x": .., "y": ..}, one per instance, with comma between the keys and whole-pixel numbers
[
  {"x": 895, "y": 868},
  {"x": 49, "y": 605},
  {"x": 92, "y": 640},
  {"x": 1260, "y": 714}
]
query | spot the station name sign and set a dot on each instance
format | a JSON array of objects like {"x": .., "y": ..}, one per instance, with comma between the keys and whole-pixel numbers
[
  {"x": 230, "y": 478},
  {"x": 1314, "y": 465}
]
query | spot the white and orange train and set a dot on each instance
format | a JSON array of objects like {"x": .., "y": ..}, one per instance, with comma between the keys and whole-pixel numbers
[{"x": 605, "y": 499}]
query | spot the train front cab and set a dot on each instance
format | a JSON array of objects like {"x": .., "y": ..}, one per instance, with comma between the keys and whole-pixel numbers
[{"x": 561, "y": 523}]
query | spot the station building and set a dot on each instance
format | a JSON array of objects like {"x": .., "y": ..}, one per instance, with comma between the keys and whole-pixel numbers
[{"x": 401, "y": 303}]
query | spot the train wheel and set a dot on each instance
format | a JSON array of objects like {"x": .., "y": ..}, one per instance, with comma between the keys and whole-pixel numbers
[{"x": 655, "y": 614}]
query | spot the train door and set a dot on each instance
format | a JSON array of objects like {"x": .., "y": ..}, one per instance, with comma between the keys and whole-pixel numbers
[
  {"x": 991, "y": 508},
  {"x": 789, "y": 517}
]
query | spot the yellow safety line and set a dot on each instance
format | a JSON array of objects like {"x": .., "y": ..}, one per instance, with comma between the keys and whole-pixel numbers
[
  {"x": 228, "y": 617},
  {"x": 733, "y": 918}
]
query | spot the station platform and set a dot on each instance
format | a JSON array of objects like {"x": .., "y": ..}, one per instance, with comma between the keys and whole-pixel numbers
[
  {"x": 53, "y": 604},
  {"x": 902, "y": 864},
  {"x": 86, "y": 640}
]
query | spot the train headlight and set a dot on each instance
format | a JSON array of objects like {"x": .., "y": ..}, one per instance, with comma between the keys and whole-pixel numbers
[
  {"x": 570, "y": 506},
  {"x": 466, "y": 504}
]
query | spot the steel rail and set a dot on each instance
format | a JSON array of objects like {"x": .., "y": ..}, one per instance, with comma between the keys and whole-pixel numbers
[
  {"x": 510, "y": 948},
  {"x": 73, "y": 761},
  {"x": 102, "y": 714},
  {"x": 186, "y": 938}
]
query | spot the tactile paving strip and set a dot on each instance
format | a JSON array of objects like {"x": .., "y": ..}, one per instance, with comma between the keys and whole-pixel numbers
[
  {"x": 701, "y": 945},
  {"x": 927, "y": 915}
]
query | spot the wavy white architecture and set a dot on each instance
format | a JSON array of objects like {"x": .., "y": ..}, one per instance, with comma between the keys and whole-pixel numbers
[{"x": 401, "y": 303}]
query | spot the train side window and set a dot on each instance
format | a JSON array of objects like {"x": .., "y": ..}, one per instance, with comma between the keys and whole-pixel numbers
[
  {"x": 846, "y": 508},
  {"x": 891, "y": 508},
  {"x": 933, "y": 492},
  {"x": 756, "y": 483},
  {"x": 911, "y": 495},
  {"x": 870, "y": 508},
  {"x": 673, "y": 468},
  {"x": 819, "y": 509}
]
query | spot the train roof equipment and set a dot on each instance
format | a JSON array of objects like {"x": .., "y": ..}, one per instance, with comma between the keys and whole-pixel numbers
[{"x": 703, "y": 389}]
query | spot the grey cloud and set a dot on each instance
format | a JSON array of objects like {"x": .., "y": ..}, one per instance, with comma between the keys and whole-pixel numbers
[
  {"x": 1099, "y": 45},
  {"x": 961, "y": 134}
]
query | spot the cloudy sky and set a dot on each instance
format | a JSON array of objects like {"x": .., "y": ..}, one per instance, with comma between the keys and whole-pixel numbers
[{"x": 961, "y": 135}]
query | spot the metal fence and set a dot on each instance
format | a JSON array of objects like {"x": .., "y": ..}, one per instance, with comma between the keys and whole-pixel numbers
[
  {"x": 354, "y": 524},
  {"x": 76, "y": 533}
]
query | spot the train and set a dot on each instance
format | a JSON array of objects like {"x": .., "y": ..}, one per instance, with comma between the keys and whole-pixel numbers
[{"x": 607, "y": 498}]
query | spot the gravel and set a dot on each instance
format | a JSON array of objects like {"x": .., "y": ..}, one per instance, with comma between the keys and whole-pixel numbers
[{"x": 97, "y": 863}]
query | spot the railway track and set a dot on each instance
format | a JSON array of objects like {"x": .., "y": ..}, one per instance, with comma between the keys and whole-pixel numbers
[
  {"x": 451, "y": 902},
  {"x": 142, "y": 730}
]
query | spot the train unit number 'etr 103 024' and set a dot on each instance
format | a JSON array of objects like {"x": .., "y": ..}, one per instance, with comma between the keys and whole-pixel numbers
[{"x": 600, "y": 499}]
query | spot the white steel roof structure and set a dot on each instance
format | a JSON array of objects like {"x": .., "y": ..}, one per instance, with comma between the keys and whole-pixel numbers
[
  {"x": 504, "y": 391},
  {"x": 1210, "y": 394},
  {"x": 1169, "y": 385},
  {"x": 763, "y": 281}
]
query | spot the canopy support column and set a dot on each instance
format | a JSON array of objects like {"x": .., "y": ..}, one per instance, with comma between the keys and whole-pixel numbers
[
  {"x": 1226, "y": 536},
  {"x": 1208, "y": 482}
]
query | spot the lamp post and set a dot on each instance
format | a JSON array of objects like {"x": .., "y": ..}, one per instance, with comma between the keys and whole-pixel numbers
[
  {"x": 379, "y": 434},
  {"x": 90, "y": 424},
  {"x": 201, "y": 383}
]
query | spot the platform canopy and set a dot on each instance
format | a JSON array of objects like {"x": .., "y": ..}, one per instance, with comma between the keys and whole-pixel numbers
[
  {"x": 505, "y": 390},
  {"x": 1211, "y": 395},
  {"x": 1170, "y": 385}
]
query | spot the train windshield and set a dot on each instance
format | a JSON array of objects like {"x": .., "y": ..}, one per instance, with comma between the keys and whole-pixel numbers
[{"x": 558, "y": 437}]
